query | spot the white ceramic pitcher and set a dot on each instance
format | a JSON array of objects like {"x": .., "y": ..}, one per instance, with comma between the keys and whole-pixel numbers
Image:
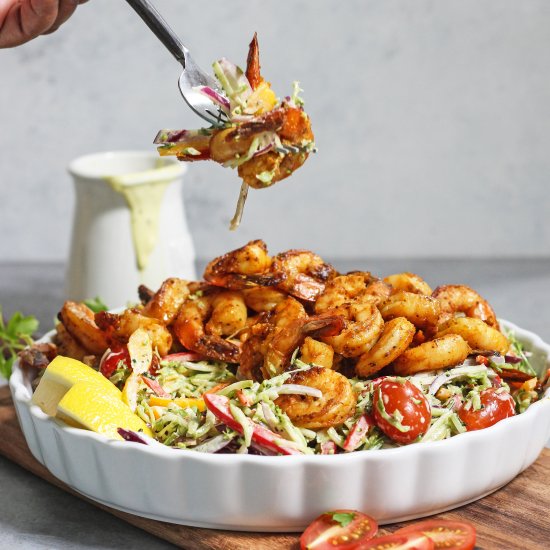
[{"x": 108, "y": 258}]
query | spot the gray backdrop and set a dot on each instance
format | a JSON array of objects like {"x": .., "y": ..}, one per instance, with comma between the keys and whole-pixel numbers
[{"x": 432, "y": 119}]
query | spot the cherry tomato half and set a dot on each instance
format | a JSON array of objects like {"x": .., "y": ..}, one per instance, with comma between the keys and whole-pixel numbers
[
  {"x": 401, "y": 410},
  {"x": 400, "y": 541},
  {"x": 340, "y": 529},
  {"x": 110, "y": 362},
  {"x": 494, "y": 408},
  {"x": 448, "y": 534}
]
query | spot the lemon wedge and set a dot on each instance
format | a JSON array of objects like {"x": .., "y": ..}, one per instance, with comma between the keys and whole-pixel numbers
[
  {"x": 83, "y": 406},
  {"x": 60, "y": 375},
  {"x": 84, "y": 398}
]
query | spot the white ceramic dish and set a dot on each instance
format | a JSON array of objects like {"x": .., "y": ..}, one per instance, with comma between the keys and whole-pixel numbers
[{"x": 258, "y": 493}]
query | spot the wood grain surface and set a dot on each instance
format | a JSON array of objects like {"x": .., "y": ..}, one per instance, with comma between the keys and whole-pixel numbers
[{"x": 517, "y": 517}]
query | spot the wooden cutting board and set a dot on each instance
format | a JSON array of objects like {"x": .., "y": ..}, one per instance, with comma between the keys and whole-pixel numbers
[{"x": 517, "y": 517}]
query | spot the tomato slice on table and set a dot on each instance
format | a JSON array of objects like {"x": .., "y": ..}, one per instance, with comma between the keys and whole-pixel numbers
[
  {"x": 401, "y": 410},
  {"x": 448, "y": 534},
  {"x": 400, "y": 541},
  {"x": 340, "y": 529},
  {"x": 494, "y": 408}
]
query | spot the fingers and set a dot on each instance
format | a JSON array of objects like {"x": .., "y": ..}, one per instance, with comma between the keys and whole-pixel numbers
[
  {"x": 23, "y": 20},
  {"x": 65, "y": 10}
]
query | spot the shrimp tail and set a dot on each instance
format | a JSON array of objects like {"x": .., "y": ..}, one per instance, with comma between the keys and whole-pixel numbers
[
  {"x": 323, "y": 325},
  {"x": 253, "y": 63}
]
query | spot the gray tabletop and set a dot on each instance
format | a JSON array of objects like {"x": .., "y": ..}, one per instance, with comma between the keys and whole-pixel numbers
[{"x": 38, "y": 515}]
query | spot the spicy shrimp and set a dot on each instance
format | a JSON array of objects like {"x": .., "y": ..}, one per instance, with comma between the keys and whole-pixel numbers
[
  {"x": 244, "y": 267},
  {"x": 478, "y": 334},
  {"x": 119, "y": 327},
  {"x": 190, "y": 329},
  {"x": 422, "y": 311},
  {"x": 164, "y": 304},
  {"x": 78, "y": 319},
  {"x": 285, "y": 341},
  {"x": 228, "y": 314},
  {"x": 355, "y": 287},
  {"x": 263, "y": 298},
  {"x": 394, "y": 340},
  {"x": 363, "y": 325},
  {"x": 442, "y": 352},
  {"x": 303, "y": 273},
  {"x": 463, "y": 299},
  {"x": 318, "y": 353},
  {"x": 335, "y": 406},
  {"x": 410, "y": 282}
]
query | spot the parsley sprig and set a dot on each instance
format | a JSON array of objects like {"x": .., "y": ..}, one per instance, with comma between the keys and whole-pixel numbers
[
  {"x": 343, "y": 518},
  {"x": 15, "y": 335}
]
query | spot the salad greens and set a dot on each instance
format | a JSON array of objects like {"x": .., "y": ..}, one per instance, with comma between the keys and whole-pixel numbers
[{"x": 183, "y": 421}]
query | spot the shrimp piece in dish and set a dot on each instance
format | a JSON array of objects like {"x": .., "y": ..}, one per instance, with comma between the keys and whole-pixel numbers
[
  {"x": 363, "y": 325},
  {"x": 228, "y": 315},
  {"x": 410, "y": 282},
  {"x": 303, "y": 273},
  {"x": 463, "y": 299},
  {"x": 120, "y": 327},
  {"x": 78, "y": 319},
  {"x": 422, "y": 311},
  {"x": 244, "y": 267},
  {"x": 285, "y": 341},
  {"x": 166, "y": 302},
  {"x": 394, "y": 340},
  {"x": 335, "y": 406},
  {"x": 263, "y": 298},
  {"x": 442, "y": 352},
  {"x": 318, "y": 353},
  {"x": 478, "y": 334},
  {"x": 190, "y": 329}
]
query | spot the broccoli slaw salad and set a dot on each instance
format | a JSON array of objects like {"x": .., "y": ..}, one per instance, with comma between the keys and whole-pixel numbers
[{"x": 199, "y": 405}]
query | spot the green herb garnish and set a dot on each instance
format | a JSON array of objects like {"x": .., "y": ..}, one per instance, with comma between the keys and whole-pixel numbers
[
  {"x": 15, "y": 335},
  {"x": 96, "y": 304},
  {"x": 343, "y": 518}
]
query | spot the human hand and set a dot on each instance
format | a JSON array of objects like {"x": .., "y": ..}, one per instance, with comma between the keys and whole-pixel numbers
[{"x": 23, "y": 20}]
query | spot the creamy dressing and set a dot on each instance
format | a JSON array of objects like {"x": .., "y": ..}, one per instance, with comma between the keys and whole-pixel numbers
[{"x": 144, "y": 193}]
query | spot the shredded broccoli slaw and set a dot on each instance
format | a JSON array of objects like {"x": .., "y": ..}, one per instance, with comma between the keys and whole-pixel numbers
[{"x": 183, "y": 421}]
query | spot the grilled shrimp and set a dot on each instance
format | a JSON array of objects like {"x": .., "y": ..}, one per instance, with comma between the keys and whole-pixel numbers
[
  {"x": 317, "y": 353},
  {"x": 478, "y": 334},
  {"x": 422, "y": 311},
  {"x": 445, "y": 351},
  {"x": 166, "y": 302},
  {"x": 263, "y": 298},
  {"x": 235, "y": 141},
  {"x": 333, "y": 408},
  {"x": 79, "y": 321},
  {"x": 228, "y": 313},
  {"x": 356, "y": 287},
  {"x": 287, "y": 312},
  {"x": 395, "y": 339},
  {"x": 258, "y": 336},
  {"x": 463, "y": 299},
  {"x": 67, "y": 345},
  {"x": 244, "y": 267},
  {"x": 363, "y": 325},
  {"x": 121, "y": 326},
  {"x": 410, "y": 282},
  {"x": 285, "y": 341},
  {"x": 303, "y": 273},
  {"x": 343, "y": 289},
  {"x": 189, "y": 328}
]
